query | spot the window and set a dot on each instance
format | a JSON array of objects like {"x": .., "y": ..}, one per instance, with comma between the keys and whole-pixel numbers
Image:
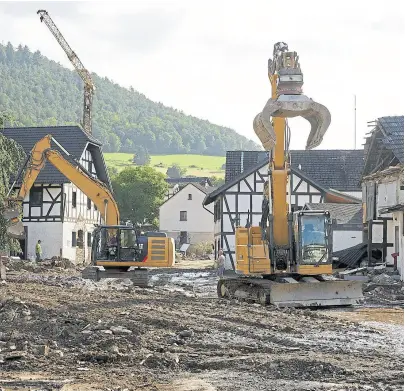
[
  {"x": 36, "y": 196},
  {"x": 183, "y": 215},
  {"x": 88, "y": 239},
  {"x": 190, "y": 196},
  {"x": 88, "y": 203},
  {"x": 74, "y": 239},
  {"x": 74, "y": 195}
]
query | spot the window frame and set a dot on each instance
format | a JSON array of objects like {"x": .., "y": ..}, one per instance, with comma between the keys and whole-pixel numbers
[
  {"x": 183, "y": 215},
  {"x": 36, "y": 190},
  {"x": 74, "y": 239},
  {"x": 74, "y": 199}
]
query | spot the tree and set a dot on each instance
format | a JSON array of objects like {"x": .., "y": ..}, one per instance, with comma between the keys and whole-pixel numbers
[
  {"x": 175, "y": 171},
  {"x": 217, "y": 181},
  {"x": 40, "y": 92},
  {"x": 11, "y": 158},
  {"x": 141, "y": 157},
  {"x": 112, "y": 171},
  {"x": 139, "y": 191}
]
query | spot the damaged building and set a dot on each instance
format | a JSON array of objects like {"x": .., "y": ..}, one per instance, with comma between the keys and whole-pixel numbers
[{"x": 383, "y": 191}]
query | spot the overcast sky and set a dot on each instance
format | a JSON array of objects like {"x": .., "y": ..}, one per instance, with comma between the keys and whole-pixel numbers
[{"x": 209, "y": 58}]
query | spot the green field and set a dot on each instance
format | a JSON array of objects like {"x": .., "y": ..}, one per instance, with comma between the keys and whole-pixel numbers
[{"x": 198, "y": 165}]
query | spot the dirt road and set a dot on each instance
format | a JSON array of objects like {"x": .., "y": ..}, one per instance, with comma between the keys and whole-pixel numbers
[{"x": 58, "y": 332}]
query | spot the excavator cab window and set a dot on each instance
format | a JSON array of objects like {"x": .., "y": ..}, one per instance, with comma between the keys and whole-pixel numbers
[
  {"x": 107, "y": 244},
  {"x": 314, "y": 239},
  {"x": 129, "y": 246}
]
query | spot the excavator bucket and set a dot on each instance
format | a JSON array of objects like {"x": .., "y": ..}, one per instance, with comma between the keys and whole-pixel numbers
[
  {"x": 289, "y": 101},
  {"x": 15, "y": 228}
]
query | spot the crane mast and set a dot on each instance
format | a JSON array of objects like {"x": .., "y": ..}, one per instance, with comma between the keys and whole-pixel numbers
[{"x": 81, "y": 70}]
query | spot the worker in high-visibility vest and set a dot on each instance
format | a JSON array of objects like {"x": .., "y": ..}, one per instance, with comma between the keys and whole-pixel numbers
[{"x": 38, "y": 251}]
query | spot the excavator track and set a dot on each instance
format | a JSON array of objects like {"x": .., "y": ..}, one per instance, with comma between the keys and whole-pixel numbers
[
  {"x": 139, "y": 277},
  {"x": 290, "y": 291}
]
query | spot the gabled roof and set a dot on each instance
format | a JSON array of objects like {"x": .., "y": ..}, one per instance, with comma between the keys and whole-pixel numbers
[
  {"x": 393, "y": 129},
  {"x": 71, "y": 138},
  {"x": 203, "y": 189},
  {"x": 343, "y": 213},
  {"x": 320, "y": 186},
  {"x": 339, "y": 169},
  {"x": 384, "y": 145}
]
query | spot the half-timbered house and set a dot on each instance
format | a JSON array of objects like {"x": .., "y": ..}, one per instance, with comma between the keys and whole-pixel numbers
[
  {"x": 316, "y": 176},
  {"x": 383, "y": 190},
  {"x": 55, "y": 211}
]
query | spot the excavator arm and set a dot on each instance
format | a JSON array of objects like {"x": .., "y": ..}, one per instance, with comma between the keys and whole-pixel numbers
[{"x": 91, "y": 187}]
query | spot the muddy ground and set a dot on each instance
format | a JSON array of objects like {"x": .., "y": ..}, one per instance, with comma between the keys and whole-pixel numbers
[{"x": 59, "y": 332}]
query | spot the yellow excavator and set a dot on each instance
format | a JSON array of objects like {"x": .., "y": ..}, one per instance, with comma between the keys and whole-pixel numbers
[
  {"x": 118, "y": 251},
  {"x": 287, "y": 261}
]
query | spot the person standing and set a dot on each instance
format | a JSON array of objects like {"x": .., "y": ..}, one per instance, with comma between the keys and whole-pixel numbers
[
  {"x": 221, "y": 263},
  {"x": 38, "y": 251}
]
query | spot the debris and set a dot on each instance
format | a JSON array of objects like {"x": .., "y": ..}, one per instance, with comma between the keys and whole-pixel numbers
[
  {"x": 186, "y": 333},
  {"x": 58, "y": 325},
  {"x": 383, "y": 279},
  {"x": 119, "y": 330}
]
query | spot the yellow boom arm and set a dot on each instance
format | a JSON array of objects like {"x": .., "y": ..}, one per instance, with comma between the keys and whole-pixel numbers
[{"x": 91, "y": 187}]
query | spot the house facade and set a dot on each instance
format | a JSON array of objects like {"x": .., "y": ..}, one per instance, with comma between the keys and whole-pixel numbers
[
  {"x": 55, "y": 211},
  {"x": 184, "y": 218},
  {"x": 239, "y": 200},
  {"x": 383, "y": 191},
  {"x": 176, "y": 184}
]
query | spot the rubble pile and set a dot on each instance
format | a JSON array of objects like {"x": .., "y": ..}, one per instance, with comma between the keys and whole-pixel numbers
[
  {"x": 381, "y": 284},
  {"x": 115, "y": 336},
  {"x": 21, "y": 265}
]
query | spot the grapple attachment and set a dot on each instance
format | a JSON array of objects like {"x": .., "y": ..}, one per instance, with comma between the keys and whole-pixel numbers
[{"x": 289, "y": 101}]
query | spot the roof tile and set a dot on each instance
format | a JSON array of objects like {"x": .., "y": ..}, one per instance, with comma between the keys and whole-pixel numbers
[
  {"x": 318, "y": 164},
  {"x": 72, "y": 138}
]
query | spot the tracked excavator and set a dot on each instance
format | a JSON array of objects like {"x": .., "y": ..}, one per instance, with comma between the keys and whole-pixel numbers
[
  {"x": 286, "y": 261},
  {"x": 118, "y": 251}
]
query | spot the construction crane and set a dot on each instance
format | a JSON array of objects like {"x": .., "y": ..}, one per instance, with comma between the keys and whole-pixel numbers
[
  {"x": 286, "y": 260},
  {"x": 89, "y": 87}
]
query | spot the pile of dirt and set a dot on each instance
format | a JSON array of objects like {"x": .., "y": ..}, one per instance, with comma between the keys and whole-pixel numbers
[
  {"x": 139, "y": 338},
  {"x": 17, "y": 264}
]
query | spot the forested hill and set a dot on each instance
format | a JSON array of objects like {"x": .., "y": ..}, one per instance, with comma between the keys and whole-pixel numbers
[{"x": 38, "y": 91}]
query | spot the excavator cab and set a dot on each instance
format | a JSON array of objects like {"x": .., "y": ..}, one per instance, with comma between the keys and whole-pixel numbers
[
  {"x": 116, "y": 243},
  {"x": 121, "y": 251},
  {"x": 312, "y": 240}
]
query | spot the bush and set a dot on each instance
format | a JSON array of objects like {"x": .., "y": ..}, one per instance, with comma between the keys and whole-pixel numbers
[{"x": 200, "y": 249}]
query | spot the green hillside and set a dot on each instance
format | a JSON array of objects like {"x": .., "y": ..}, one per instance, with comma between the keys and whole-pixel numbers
[
  {"x": 38, "y": 91},
  {"x": 196, "y": 165}
]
